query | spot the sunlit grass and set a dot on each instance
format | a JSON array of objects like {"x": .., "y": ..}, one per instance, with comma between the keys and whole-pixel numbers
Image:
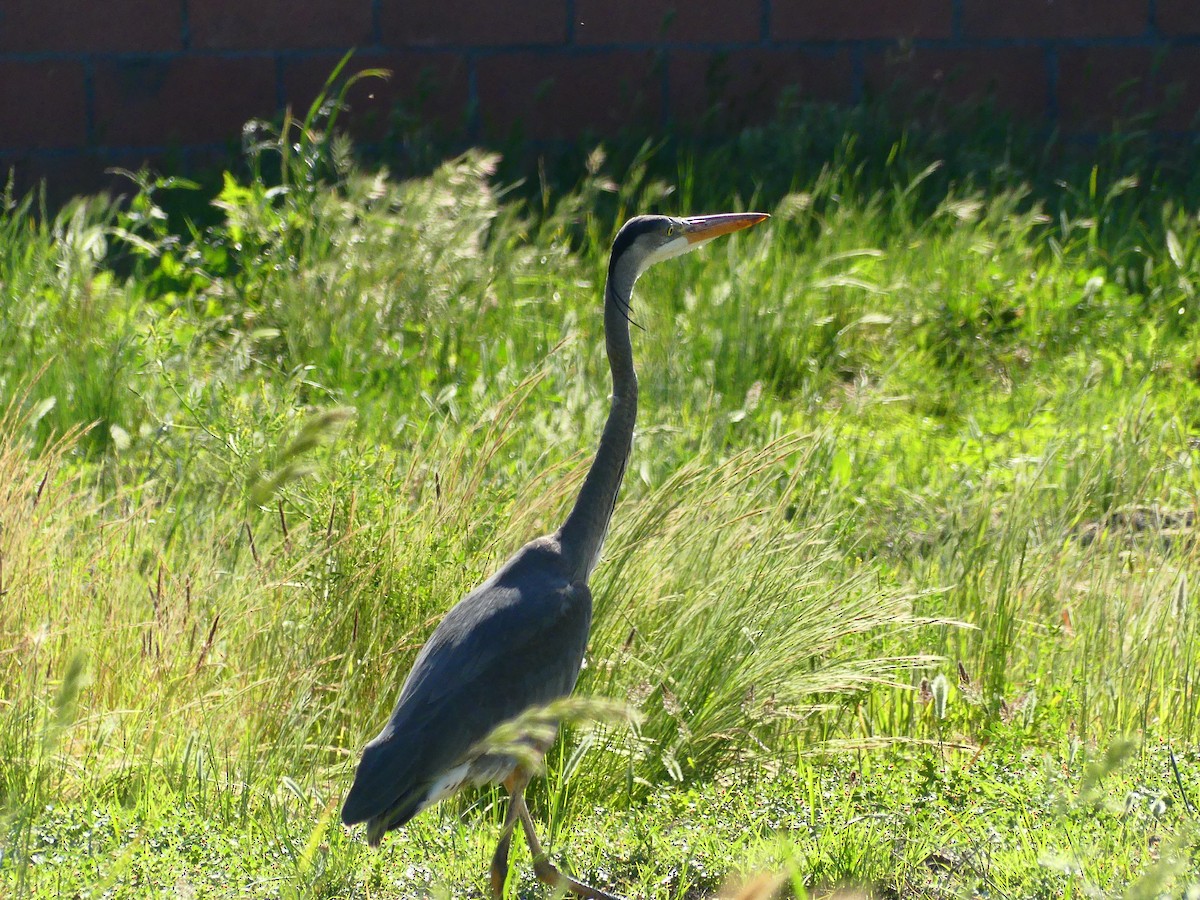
[{"x": 907, "y": 538}]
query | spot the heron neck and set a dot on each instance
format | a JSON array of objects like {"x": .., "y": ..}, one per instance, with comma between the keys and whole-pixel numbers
[{"x": 583, "y": 533}]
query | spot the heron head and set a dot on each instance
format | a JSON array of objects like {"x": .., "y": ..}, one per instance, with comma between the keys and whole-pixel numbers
[{"x": 646, "y": 240}]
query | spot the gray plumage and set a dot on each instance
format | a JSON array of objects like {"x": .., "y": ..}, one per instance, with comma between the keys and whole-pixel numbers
[
  {"x": 464, "y": 682},
  {"x": 517, "y": 641}
]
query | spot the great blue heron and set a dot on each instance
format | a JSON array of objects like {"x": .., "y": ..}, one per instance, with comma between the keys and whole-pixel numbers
[{"x": 517, "y": 640}]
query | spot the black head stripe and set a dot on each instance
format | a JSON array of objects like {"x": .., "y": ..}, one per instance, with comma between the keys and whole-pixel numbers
[{"x": 631, "y": 231}]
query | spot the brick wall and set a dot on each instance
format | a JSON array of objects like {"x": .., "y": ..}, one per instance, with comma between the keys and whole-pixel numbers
[{"x": 86, "y": 84}]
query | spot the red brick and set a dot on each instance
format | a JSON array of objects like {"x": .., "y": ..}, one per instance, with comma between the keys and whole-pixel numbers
[
  {"x": 728, "y": 90},
  {"x": 33, "y": 26},
  {"x": 557, "y": 96},
  {"x": 1101, "y": 86},
  {"x": 279, "y": 24},
  {"x": 1054, "y": 18},
  {"x": 1177, "y": 17},
  {"x": 477, "y": 23},
  {"x": 1014, "y": 77},
  {"x": 42, "y": 104},
  {"x": 624, "y": 21},
  {"x": 188, "y": 99},
  {"x": 829, "y": 20},
  {"x": 432, "y": 87}
]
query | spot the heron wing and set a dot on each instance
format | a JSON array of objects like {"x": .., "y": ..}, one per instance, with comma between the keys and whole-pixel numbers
[{"x": 515, "y": 642}]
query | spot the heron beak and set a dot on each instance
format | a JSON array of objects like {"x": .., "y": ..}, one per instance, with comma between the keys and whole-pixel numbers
[{"x": 705, "y": 228}]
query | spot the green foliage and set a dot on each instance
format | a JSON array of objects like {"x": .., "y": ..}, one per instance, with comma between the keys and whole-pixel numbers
[{"x": 908, "y": 536}]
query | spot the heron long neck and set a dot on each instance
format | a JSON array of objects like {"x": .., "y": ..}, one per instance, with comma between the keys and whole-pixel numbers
[{"x": 582, "y": 535}]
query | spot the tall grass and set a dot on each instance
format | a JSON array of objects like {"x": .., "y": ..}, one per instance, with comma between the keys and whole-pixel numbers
[{"x": 907, "y": 429}]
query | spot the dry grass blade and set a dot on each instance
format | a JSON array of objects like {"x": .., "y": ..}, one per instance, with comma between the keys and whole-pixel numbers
[
  {"x": 526, "y": 737},
  {"x": 757, "y": 887}
]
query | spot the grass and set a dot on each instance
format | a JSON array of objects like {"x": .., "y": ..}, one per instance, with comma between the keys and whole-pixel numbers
[{"x": 901, "y": 583}]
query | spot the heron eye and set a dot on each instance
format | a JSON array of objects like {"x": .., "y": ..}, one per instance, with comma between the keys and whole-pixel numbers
[{"x": 670, "y": 230}]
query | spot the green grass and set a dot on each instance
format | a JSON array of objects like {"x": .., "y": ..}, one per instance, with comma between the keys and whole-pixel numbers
[{"x": 901, "y": 583}]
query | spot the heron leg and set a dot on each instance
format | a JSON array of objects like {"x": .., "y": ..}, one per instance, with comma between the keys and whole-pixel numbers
[
  {"x": 543, "y": 868},
  {"x": 499, "y": 870}
]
